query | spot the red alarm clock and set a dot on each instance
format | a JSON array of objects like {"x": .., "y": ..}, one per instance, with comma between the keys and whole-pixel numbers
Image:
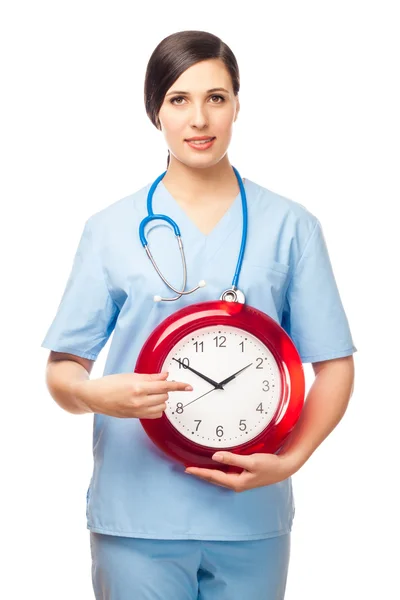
[{"x": 247, "y": 377}]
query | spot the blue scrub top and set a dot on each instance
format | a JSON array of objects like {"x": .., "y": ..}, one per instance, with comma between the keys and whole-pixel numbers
[{"x": 136, "y": 490}]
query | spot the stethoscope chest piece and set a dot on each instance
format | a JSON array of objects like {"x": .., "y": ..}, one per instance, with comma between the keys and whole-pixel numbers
[{"x": 233, "y": 295}]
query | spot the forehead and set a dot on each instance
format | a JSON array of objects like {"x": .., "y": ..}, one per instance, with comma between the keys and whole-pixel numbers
[{"x": 202, "y": 76}]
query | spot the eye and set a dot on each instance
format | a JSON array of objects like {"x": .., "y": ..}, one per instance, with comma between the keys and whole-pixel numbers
[
  {"x": 176, "y": 98},
  {"x": 218, "y": 96},
  {"x": 182, "y": 98}
]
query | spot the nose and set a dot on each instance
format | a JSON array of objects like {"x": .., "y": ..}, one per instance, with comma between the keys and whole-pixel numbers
[{"x": 199, "y": 116}]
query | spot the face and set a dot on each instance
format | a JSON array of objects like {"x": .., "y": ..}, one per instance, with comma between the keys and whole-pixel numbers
[{"x": 190, "y": 110}]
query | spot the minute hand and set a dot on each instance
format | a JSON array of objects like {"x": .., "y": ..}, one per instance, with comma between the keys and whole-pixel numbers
[
  {"x": 213, "y": 383},
  {"x": 228, "y": 379}
]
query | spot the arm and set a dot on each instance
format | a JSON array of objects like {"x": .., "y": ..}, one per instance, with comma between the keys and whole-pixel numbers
[
  {"x": 121, "y": 395},
  {"x": 63, "y": 372},
  {"x": 325, "y": 405}
]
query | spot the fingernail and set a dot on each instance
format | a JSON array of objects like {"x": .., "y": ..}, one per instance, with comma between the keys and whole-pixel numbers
[{"x": 189, "y": 388}]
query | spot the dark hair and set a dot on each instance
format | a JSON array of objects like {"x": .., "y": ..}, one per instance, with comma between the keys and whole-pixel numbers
[{"x": 173, "y": 55}]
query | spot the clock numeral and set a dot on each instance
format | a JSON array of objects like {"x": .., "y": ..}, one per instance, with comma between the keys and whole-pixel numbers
[
  {"x": 265, "y": 383},
  {"x": 179, "y": 408},
  {"x": 242, "y": 425},
  {"x": 220, "y": 341},
  {"x": 242, "y": 344},
  {"x": 260, "y": 408},
  {"x": 198, "y": 345},
  {"x": 260, "y": 362},
  {"x": 219, "y": 431},
  {"x": 198, "y": 421},
  {"x": 184, "y": 362}
]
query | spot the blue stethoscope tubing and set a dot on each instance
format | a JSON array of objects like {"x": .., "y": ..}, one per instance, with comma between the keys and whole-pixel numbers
[{"x": 151, "y": 217}]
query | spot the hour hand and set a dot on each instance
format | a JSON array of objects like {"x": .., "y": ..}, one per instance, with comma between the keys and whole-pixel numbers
[
  {"x": 216, "y": 385},
  {"x": 228, "y": 379}
]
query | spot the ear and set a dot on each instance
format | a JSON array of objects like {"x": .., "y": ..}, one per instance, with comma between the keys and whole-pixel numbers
[{"x": 237, "y": 108}]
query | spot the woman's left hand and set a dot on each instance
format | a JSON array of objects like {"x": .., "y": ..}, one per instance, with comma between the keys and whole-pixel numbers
[{"x": 258, "y": 470}]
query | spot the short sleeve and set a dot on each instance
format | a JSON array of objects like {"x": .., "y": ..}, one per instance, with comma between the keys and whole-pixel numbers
[
  {"x": 87, "y": 314},
  {"x": 313, "y": 313}
]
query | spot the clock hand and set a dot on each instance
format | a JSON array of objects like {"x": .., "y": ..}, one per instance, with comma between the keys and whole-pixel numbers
[
  {"x": 217, "y": 386},
  {"x": 228, "y": 379},
  {"x": 191, "y": 402}
]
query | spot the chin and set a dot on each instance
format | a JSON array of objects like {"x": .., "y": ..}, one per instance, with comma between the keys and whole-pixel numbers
[{"x": 203, "y": 162}]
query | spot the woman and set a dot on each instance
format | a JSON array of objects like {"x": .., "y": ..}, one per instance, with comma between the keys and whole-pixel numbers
[{"x": 158, "y": 531}]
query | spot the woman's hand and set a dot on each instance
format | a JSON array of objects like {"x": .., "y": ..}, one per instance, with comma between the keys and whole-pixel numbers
[
  {"x": 128, "y": 395},
  {"x": 258, "y": 470}
]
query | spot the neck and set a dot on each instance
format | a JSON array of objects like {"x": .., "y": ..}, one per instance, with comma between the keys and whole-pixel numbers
[{"x": 196, "y": 185}]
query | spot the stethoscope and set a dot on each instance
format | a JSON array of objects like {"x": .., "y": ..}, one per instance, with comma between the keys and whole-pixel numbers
[{"x": 232, "y": 294}]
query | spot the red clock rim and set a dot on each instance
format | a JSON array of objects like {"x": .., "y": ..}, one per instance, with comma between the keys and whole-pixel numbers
[{"x": 196, "y": 316}]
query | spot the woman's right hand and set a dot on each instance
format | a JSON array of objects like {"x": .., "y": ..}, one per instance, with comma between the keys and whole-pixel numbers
[{"x": 128, "y": 395}]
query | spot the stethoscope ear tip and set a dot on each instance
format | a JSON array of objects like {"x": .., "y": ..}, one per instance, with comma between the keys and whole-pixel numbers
[
  {"x": 202, "y": 283},
  {"x": 157, "y": 298}
]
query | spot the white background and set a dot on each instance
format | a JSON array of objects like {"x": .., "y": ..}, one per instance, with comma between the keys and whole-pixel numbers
[{"x": 319, "y": 124}]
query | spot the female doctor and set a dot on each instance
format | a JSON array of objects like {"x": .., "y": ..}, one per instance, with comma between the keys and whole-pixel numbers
[{"x": 156, "y": 530}]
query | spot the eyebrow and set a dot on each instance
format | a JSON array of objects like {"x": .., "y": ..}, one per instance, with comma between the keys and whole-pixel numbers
[{"x": 208, "y": 91}]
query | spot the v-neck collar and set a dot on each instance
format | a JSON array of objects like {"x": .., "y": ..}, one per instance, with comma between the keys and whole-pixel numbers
[{"x": 165, "y": 203}]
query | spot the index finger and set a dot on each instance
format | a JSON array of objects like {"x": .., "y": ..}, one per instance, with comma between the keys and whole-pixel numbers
[{"x": 159, "y": 387}]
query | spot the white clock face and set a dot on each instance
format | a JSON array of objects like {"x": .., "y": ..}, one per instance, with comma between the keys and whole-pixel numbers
[{"x": 222, "y": 418}]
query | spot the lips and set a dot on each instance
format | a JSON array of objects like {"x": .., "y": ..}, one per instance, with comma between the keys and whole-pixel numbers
[{"x": 200, "y": 139}]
